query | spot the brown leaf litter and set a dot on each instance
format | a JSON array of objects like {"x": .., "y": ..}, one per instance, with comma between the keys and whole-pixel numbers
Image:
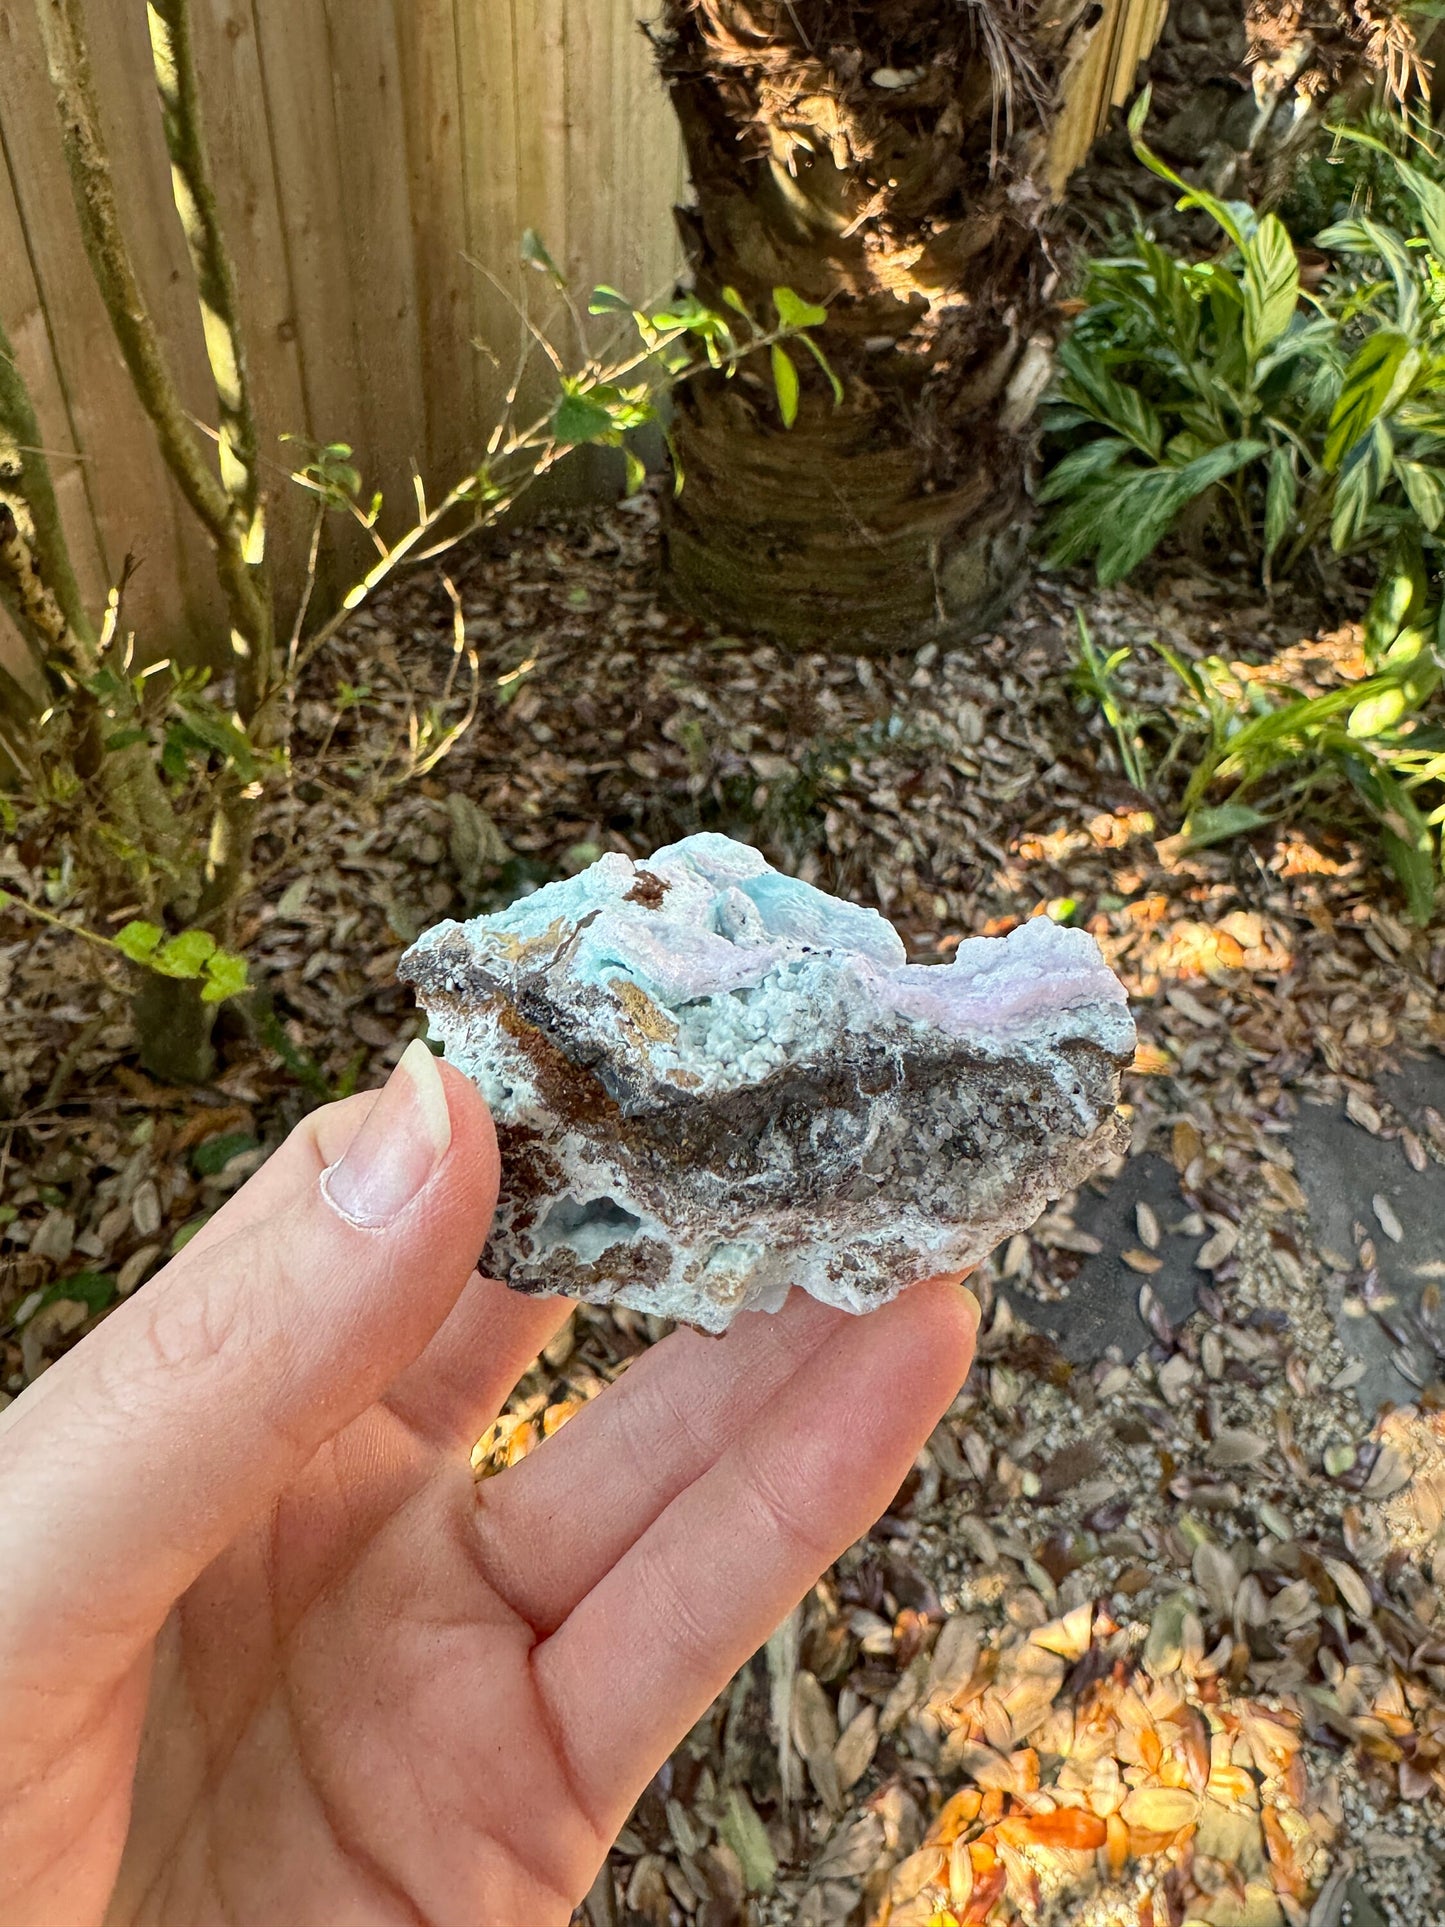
[{"x": 1139, "y": 1642}]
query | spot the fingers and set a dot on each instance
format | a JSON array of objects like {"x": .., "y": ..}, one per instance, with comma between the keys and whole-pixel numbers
[
  {"x": 461, "y": 1381},
  {"x": 186, "y": 1412},
  {"x": 553, "y": 1525},
  {"x": 652, "y": 1644}
]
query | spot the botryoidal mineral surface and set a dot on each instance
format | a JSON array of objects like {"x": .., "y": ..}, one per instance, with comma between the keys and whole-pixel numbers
[{"x": 712, "y": 1081}]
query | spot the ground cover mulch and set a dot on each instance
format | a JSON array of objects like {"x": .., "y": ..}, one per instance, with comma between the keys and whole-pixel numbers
[{"x": 1145, "y": 1639}]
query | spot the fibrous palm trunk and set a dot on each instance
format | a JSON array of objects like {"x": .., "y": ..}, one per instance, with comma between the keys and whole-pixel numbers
[{"x": 881, "y": 159}]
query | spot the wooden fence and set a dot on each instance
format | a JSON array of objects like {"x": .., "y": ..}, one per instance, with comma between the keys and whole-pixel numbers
[{"x": 377, "y": 162}]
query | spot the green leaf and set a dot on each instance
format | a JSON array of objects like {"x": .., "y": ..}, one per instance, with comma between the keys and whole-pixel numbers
[
  {"x": 1408, "y": 843},
  {"x": 1086, "y": 381},
  {"x": 1414, "y": 865},
  {"x": 794, "y": 312},
  {"x": 785, "y": 381},
  {"x": 89, "y": 1288},
  {"x": 827, "y": 367},
  {"x": 1377, "y": 713},
  {"x": 1147, "y": 506},
  {"x": 184, "y": 956},
  {"x": 607, "y": 300},
  {"x": 1400, "y": 595},
  {"x": 1271, "y": 283},
  {"x": 139, "y": 941},
  {"x": 174, "y": 759},
  {"x": 1423, "y": 489},
  {"x": 1234, "y": 217},
  {"x": 226, "y": 976},
  {"x": 578, "y": 417},
  {"x": 182, "y": 1236},
  {"x": 534, "y": 253},
  {"x": 636, "y": 472},
  {"x": 1429, "y": 198},
  {"x": 1381, "y": 370},
  {"x": 1083, "y": 464},
  {"x": 733, "y": 300},
  {"x": 1364, "y": 474},
  {"x": 1218, "y": 824},
  {"x": 1280, "y": 497},
  {"x": 745, "y": 1833},
  {"x": 212, "y": 1157},
  {"x": 125, "y": 739}
]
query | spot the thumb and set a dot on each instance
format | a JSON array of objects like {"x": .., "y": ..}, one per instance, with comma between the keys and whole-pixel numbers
[{"x": 137, "y": 1458}]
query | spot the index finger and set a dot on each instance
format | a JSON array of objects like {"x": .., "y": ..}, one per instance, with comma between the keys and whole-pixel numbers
[{"x": 642, "y": 1656}]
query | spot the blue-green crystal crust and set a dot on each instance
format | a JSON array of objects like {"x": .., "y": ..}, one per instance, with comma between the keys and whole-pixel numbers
[{"x": 712, "y": 1081}]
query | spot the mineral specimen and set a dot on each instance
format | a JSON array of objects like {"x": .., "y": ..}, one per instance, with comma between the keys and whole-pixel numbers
[{"x": 711, "y": 1081}]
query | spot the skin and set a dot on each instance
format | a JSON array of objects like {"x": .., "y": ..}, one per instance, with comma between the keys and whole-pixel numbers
[{"x": 268, "y": 1654}]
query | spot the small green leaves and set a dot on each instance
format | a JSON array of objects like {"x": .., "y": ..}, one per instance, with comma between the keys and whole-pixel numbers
[
  {"x": 209, "y": 1159},
  {"x": 822, "y": 360},
  {"x": 534, "y": 253},
  {"x": 182, "y": 1236},
  {"x": 183, "y": 956},
  {"x": 190, "y": 955},
  {"x": 785, "y": 382},
  {"x": 579, "y": 417},
  {"x": 226, "y": 976},
  {"x": 794, "y": 313},
  {"x": 1218, "y": 824},
  {"x": 93, "y": 1289},
  {"x": 139, "y": 941}
]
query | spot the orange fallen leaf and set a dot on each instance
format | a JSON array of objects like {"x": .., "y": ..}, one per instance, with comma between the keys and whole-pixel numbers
[
  {"x": 1071, "y": 1829},
  {"x": 956, "y": 1813}
]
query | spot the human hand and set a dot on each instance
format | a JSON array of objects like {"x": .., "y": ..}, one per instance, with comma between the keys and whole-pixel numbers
[{"x": 269, "y": 1657}]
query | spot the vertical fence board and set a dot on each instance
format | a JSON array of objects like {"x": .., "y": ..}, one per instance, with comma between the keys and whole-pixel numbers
[
  {"x": 246, "y": 193},
  {"x": 540, "y": 32},
  {"x": 294, "y": 51},
  {"x": 363, "y": 149},
  {"x": 22, "y": 309},
  {"x": 489, "y": 140},
  {"x": 431, "y": 88},
  {"x": 377, "y": 217}
]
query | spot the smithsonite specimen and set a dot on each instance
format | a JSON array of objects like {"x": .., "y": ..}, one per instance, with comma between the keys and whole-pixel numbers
[{"x": 712, "y": 1081}]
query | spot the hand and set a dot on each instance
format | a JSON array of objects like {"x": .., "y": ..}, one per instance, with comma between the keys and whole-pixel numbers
[{"x": 270, "y": 1658}]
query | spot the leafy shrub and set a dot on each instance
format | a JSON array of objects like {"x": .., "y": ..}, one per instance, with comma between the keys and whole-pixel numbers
[
  {"x": 1303, "y": 413},
  {"x": 1256, "y": 747}
]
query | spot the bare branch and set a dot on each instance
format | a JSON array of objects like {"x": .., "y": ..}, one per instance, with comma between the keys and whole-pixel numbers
[{"x": 32, "y": 482}]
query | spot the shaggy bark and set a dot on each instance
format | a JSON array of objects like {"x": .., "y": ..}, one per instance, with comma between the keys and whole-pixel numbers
[{"x": 877, "y": 159}]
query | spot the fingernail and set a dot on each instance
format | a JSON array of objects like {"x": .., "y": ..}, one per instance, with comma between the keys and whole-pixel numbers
[
  {"x": 974, "y": 1306},
  {"x": 401, "y": 1143}
]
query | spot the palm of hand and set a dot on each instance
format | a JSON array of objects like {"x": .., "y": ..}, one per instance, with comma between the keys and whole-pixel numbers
[
  {"x": 347, "y": 1686},
  {"x": 345, "y": 1725}
]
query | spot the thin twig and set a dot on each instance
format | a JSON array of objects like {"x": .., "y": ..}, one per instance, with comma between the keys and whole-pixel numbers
[{"x": 88, "y": 162}]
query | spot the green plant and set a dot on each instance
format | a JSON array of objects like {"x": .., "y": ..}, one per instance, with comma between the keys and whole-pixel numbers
[
  {"x": 1096, "y": 681},
  {"x": 1258, "y": 749},
  {"x": 1299, "y": 413},
  {"x": 191, "y": 956},
  {"x": 148, "y": 785}
]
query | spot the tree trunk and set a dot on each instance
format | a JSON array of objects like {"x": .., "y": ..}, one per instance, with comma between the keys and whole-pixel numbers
[{"x": 881, "y": 160}]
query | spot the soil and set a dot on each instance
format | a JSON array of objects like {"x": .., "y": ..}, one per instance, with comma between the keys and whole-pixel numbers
[{"x": 1150, "y": 1634}]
